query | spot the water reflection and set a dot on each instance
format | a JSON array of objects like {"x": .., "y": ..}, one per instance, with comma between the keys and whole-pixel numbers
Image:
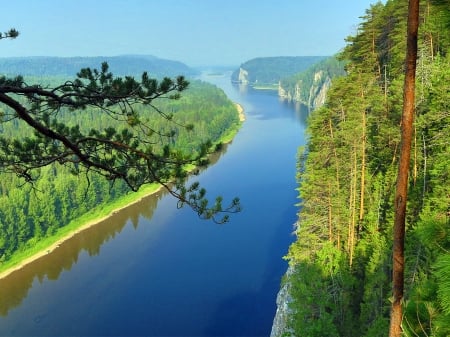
[
  {"x": 295, "y": 110},
  {"x": 15, "y": 287},
  {"x": 301, "y": 111},
  {"x": 242, "y": 88}
]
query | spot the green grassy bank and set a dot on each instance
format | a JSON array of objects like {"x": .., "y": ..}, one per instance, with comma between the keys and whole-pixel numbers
[{"x": 34, "y": 249}]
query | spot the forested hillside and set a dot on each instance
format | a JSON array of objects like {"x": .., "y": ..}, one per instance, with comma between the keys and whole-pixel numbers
[
  {"x": 69, "y": 66},
  {"x": 263, "y": 71},
  {"x": 30, "y": 212},
  {"x": 341, "y": 261}
]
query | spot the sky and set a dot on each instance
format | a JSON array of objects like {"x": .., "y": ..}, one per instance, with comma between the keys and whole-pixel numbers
[{"x": 195, "y": 32}]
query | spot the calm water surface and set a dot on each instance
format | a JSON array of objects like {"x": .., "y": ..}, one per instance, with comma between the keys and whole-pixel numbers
[{"x": 154, "y": 270}]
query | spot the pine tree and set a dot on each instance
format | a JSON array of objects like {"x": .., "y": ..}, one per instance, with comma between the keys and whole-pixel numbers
[{"x": 126, "y": 153}]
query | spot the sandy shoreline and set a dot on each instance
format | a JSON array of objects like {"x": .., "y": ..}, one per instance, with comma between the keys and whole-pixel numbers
[
  {"x": 240, "y": 110},
  {"x": 89, "y": 224},
  {"x": 70, "y": 235}
]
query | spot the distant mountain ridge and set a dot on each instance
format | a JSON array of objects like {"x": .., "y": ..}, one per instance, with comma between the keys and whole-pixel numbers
[{"x": 69, "y": 66}]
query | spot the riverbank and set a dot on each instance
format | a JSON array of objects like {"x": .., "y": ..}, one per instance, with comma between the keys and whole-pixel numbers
[
  {"x": 91, "y": 218},
  {"x": 240, "y": 110}
]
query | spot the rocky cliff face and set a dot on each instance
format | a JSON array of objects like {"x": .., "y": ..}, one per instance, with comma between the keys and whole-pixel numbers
[
  {"x": 279, "y": 326},
  {"x": 270, "y": 70},
  {"x": 316, "y": 92},
  {"x": 284, "y": 94},
  {"x": 243, "y": 76},
  {"x": 319, "y": 90}
]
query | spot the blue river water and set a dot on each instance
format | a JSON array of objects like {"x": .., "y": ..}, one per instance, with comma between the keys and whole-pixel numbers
[{"x": 155, "y": 270}]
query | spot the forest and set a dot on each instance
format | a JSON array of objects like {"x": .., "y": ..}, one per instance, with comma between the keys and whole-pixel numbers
[
  {"x": 270, "y": 70},
  {"x": 341, "y": 261},
  {"x": 59, "y": 194}
]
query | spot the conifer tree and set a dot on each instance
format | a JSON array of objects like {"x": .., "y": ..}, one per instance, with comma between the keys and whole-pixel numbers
[
  {"x": 128, "y": 152},
  {"x": 395, "y": 329}
]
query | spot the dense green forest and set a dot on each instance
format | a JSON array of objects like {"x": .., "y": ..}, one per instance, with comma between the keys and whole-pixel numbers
[
  {"x": 270, "y": 70},
  {"x": 341, "y": 261},
  {"x": 69, "y": 66},
  {"x": 31, "y": 212}
]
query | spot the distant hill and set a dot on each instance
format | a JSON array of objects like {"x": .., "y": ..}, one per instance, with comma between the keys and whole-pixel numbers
[
  {"x": 69, "y": 66},
  {"x": 270, "y": 70}
]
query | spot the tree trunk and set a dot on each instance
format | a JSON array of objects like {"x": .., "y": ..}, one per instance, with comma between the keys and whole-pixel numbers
[
  {"x": 330, "y": 214},
  {"x": 395, "y": 329},
  {"x": 363, "y": 167},
  {"x": 415, "y": 168},
  {"x": 353, "y": 194},
  {"x": 430, "y": 34},
  {"x": 336, "y": 215},
  {"x": 336, "y": 158}
]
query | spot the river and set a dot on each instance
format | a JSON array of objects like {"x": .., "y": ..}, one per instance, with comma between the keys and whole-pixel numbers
[{"x": 156, "y": 270}]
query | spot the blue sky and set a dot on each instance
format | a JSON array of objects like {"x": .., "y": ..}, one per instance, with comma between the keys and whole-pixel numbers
[{"x": 196, "y": 32}]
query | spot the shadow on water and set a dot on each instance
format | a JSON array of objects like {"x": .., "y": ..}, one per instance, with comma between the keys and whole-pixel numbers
[
  {"x": 14, "y": 288},
  {"x": 245, "y": 313}
]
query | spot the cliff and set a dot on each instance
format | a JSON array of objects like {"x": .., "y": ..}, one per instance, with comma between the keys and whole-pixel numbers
[
  {"x": 243, "y": 76},
  {"x": 315, "y": 93},
  {"x": 279, "y": 326},
  {"x": 268, "y": 71},
  {"x": 310, "y": 87}
]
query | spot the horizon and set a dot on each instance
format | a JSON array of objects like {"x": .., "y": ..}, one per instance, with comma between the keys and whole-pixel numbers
[
  {"x": 156, "y": 57},
  {"x": 196, "y": 33}
]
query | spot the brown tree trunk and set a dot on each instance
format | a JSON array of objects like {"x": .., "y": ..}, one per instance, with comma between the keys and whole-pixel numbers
[
  {"x": 330, "y": 215},
  {"x": 395, "y": 329},
  {"x": 363, "y": 167},
  {"x": 353, "y": 194},
  {"x": 330, "y": 125},
  {"x": 430, "y": 34},
  {"x": 335, "y": 215}
]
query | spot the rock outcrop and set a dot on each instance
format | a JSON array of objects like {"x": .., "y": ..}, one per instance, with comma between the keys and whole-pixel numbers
[
  {"x": 284, "y": 94},
  {"x": 243, "y": 76},
  {"x": 267, "y": 71},
  {"x": 315, "y": 95},
  {"x": 279, "y": 326}
]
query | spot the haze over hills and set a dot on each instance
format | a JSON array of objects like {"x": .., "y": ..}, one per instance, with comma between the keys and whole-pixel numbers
[
  {"x": 261, "y": 70},
  {"x": 69, "y": 66},
  {"x": 270, "y": 70}
]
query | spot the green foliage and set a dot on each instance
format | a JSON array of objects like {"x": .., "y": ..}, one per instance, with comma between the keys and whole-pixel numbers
[
  {"x": 270, "y": 70},
  {"x": 312, "y": 316},
  {"x": 442, "y": 267},
  {"x": 11, "y": 34},
  {"x": 61, "y": 190},
  {"x": 342, "y": 256}
]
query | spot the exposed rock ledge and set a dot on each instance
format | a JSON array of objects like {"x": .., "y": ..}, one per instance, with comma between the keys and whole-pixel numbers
[
  {"x": 315, "y": 95},
  {"x": 279, "y": 326},
  {"x": 243, "y": 76}
]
